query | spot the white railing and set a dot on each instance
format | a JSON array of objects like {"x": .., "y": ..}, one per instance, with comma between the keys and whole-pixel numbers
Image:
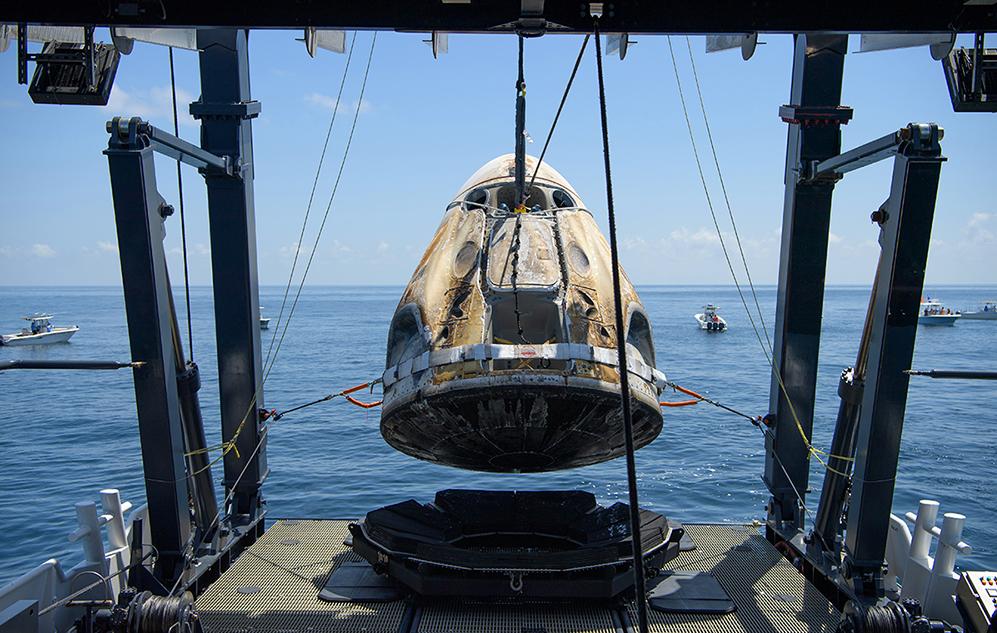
[{"x": 49, "y": 585}]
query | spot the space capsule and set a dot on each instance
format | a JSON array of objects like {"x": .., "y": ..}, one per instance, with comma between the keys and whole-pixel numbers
[{"x": 501, "y": 355}]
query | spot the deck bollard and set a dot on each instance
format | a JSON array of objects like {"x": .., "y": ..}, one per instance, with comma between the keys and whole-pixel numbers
[
  {"x": 110, "y": 501},
  {"x": 917, "y": 573}
]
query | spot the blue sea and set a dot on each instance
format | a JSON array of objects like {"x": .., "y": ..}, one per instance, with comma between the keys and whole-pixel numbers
[{"x": 67, "y": 434}]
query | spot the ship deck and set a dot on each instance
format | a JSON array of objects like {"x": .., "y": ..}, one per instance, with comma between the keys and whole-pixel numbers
[{"x": 274, "y": 586}]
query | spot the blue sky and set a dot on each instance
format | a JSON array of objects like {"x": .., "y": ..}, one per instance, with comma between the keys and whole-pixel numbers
[{"x": 426, "y": 125}]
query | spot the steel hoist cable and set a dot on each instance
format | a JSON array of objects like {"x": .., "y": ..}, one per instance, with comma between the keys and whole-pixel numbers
[
  {"x": 252, "y": 411},
  {"x": 723, "y": 188},
  {"x": 817, "y": 453},
  {"x": 311, "y": 196},
  {"x": 183, "y": 221},
  {"x": 640, "y": 588},
  {"x": 557, "y": 116},
  {"x": 328, "y": 207}
]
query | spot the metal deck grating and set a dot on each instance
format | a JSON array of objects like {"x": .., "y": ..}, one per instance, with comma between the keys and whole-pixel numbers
[
  {"x": 281, "y": 575},
  {"x": 771, "y": 596},
  {"x": 289, "y": 565},
  {"x": 541, "y": 618}
]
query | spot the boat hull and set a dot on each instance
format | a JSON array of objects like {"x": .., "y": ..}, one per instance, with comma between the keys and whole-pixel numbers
[
  {"x": 938, "y": 319},
  {"x": 57, "y": 335},
  {"x": 515, "y": 426},
  {"x": 980, "y": 316},
  {"x": 710, "y": 326}
]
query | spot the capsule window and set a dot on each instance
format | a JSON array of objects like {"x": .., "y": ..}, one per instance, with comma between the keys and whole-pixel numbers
[
  {"x": 476, "y": 199},
  {"x": 507, "y": 196},
  {"x": 639, "y": 335},
  {"x": 405, "y": 339},
  {"x": 562, "y": 200}
]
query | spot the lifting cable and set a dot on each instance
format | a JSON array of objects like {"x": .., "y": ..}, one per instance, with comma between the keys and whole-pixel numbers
[
  {"x": 640, "y": 589},
  {"x": 273, "y": 414},
  {"x": 328, "y": 208},
  {"x": 230, "y": 444},
  {"x": 557, "y": 116},
  {"x": 311, "y": 197},
  {"x": 820, "y": 455},
  {"x": 183, "y": 223},
  {"x": 756, "y": 420},
  {"x": 252, "y": 410},
  {"x": 723, "y": 188}
]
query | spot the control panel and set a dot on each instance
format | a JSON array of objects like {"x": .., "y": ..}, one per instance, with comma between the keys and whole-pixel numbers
[{"x": 977, "y": 595}]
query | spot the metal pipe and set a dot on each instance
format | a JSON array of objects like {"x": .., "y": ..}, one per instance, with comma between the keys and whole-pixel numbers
[
  {"x": 827, "y": 525},
  {"x": 198, "y": 465},
  {"x": 952, "y": 373},
  {"x": 65, "y": 364}
]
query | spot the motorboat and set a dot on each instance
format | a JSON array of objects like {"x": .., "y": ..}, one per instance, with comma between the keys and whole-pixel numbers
[
  {"x": 264, "y": 321},
  {"x": 39, "y": 332},
  {"x": 934, "y": 313},
  {"x": 987, "y": 312},
  {"x": 709, "y": 320},
  {"x": 502, "y": 354}
]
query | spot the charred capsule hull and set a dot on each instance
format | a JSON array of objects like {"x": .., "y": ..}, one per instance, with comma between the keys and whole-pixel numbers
[
  {"x": 502, "y": 351},
  {"x": 497, "y": 425}
]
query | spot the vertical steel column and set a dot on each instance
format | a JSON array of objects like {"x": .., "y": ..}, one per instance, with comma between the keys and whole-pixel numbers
[
  {"x": 815, "y": 117},
  {"x": 225, "y": 110},
  {"x": 139, "y": 212},
  {"x": 907, "y": 231}
]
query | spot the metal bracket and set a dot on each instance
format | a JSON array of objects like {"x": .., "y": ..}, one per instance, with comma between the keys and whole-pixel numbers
[
  {"x": 848, "y": 389},
  {"x": 815, "y": 116},
  {"x": 916, "y": 139},
  {"x": 135, "y": 132},
  {"x": 241, "y": 110}
]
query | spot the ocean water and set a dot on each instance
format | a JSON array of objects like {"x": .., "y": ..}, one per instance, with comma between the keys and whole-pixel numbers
[{"x": 66, "y": 434}]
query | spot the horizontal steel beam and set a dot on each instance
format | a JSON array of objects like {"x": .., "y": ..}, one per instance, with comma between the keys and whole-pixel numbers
[
  {"x": 172, "y": 146},
  {"x": 872, "y": 152},
  {"x": 861, "y": 156},
  {"x": 66, "y": 364},
  {"x": 954, "y": 374},
  {"x": 632, "y": 16}
]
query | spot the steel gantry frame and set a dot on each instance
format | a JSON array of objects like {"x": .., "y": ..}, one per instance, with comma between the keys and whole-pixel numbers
[
  {"x": 813, "y": 165},
  {"x": 874, "y": 392},
  {"x": 168, "y": 414}
]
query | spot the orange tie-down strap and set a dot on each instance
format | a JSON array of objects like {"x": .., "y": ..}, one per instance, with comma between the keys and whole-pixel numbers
[
  {"x": 683, "y": 403},
  {"x": 363, "y": 405}
]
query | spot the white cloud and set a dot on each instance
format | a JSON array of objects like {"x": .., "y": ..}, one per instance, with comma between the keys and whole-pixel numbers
[
  {"x": 6, "y": 251},
  {"x": 979, "y": 218},
  {"x": 699, "y": 237},
  {"x": 107, "y": 247},
  {"x": 833, "y": 238},
  {"x": 289, "y": 250},
  {"x": 202, "y": 249},
  {"x": 977, "y": 229},
  {"x": 340, "y": 248},
  {"x": 382, "y": 248},
  {"x": 328, "y": 103},
  {"x": 42, "y": 250},
  {"x": 154, "y": 104}
]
